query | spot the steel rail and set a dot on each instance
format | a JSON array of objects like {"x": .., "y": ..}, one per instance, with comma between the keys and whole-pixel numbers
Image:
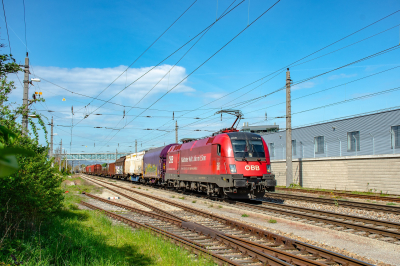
[
  {"x": 303, "y": 247},
  {"x": 344, "y": 194},
  {"x": 257, "y": 255},
  {"x": 194, "y": 247},
  {"x": 276, "y": 252},
  {"x": 321, "y": 216},
  {"x": 341, "y": 203}
]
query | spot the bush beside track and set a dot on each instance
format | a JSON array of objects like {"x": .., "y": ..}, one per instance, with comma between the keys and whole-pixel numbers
[{"x": 85, "y": 237}]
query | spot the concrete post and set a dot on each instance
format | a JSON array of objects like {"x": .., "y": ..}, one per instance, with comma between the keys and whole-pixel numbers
[
  {"x": 289, "y": 167},
  {"x": 135, "y": 145},
  {"x": 59, "y": 165},
  {"x": 51, "y": 139},
  {"x": 176, "y": 131},
  {"x": 25, "y": 96}
]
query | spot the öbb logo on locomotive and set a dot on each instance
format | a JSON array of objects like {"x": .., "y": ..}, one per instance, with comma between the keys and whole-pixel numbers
[{"x": 252, "y": 167}]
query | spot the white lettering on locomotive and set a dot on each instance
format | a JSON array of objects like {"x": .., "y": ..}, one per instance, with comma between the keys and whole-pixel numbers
[
  {"x": 171, "y": 159},
  {"x": 252, "y": 167},
  {"x": 194, "y": 158}
]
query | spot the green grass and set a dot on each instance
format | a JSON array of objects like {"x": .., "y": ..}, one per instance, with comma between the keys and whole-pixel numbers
[
  {"x": 181, "y": 197},
  {"x": 211, "y": 205},
  {"x": 391, "y": 204},
  {"x": 194, "y": 201},
  {"x": 172, "y": 196},
  {"x": 86, "y": 237},
  {"x": 245, "y": 215},
  {"x": 219, "y": 206},
  {"x": 272, "y": 221}
]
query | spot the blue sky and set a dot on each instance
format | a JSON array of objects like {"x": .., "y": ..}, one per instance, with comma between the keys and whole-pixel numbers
[{"x": 83, "y": 46}]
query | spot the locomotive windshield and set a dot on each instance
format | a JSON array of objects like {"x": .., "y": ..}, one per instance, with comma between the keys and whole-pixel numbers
[{"x": 247, "y": 145}]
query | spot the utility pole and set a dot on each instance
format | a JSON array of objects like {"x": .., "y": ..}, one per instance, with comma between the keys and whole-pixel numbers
[
  {"x": 59, "y": 166},
  {"x": 135, "y": 145},
  {"x": 25, "y": 96},
  {"x": 116, "y": 154},
  {"x": 176, "y": 131},
  {"x": 51, "y": 139},
  {"x": 66, "y": 161},
  {"x": 289, "y": 167}
]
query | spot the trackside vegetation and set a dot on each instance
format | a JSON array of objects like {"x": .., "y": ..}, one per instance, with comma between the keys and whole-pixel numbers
[{"x": 40, "y": 219}]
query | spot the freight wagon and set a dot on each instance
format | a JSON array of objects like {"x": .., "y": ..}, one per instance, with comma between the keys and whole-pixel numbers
[
  {"x": 154, "y": 165},
  {"x": 134, "y": 166}
]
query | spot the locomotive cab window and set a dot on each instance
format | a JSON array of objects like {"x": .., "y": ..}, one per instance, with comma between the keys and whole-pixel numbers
[{"x": 243, "y": 148}]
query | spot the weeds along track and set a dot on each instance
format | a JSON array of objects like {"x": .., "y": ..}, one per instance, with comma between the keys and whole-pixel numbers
[
  {"x": 342, "y": 203},
  {"x": 210, "y": 227},
  {"x": 392, "y": 198}
]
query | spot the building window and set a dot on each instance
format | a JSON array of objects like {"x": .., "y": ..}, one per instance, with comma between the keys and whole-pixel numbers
[
  {"x": 271, "y": 149},
  {"x": 319, "y": 145},
  {"x": 353, "y": 141},
  {"x": 293, "y": 147},
  {"x": 395, "y": 137}
]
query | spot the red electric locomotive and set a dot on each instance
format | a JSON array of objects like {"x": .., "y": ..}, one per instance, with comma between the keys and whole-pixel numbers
[{"x": 232, "y": 164}]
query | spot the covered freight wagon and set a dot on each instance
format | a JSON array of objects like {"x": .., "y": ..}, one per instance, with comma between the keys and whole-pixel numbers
[
  {"x": 97, "y": 169},
  {"x": 154, "y": 162},
  {"x": 134, "y": 165},
  {"x": 120, "y": 168},
  {"x": 111, "y": 169}
]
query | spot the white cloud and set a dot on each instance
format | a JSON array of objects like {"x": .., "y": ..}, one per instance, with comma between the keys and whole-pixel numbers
[
  {"x": 341, "y": 76},
  {"x": 91, "y": 81},
  {"x": 305, "y": 85}
]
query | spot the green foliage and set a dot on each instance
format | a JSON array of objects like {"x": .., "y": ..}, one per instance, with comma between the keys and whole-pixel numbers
[
  {"x": 272, "y": 221},
  {"x": 104, "y": 164},
  {"x": 245, "y": 215},
  {"x": 29, "y": 186}
]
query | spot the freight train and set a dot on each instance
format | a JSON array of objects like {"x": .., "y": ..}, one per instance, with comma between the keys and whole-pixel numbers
[{"x": 230, "y": 164}]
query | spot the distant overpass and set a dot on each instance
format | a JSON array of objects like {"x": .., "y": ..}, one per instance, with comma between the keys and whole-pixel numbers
[{"x": 92, "y": 156}]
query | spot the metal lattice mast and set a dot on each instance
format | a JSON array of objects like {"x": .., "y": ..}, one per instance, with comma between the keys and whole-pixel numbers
[{"x": 176, "y": 131}]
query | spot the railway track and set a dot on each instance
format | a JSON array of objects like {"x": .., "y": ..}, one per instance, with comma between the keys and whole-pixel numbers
[
  {"x": 344, "y": 194},
  {"x": 341, "y": 203},
  {"x": 381, "y": 230},
  {"x": 262, "y": 240}
]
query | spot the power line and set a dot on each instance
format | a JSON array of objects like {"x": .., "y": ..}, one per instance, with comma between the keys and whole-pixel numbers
[
  {"x": 5, "y": 19},
  {"x": 169, "y": 71},
  {"x": 294, "y": 63},
  {"x": 145, "y": 50},
  {"x": 167, "y": 57},
  {"x": 208, "y": 59}
]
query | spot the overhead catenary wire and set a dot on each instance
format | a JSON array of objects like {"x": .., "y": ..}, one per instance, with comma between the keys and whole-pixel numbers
[
  {"x": 215, "y": 53},
  {"x": 5, "y": 19},
  {"x": 293, "y": 64},
  {"x": 145, "y": 50},
  {"x": 169, "y": 71},
  {"x": 166, "y": 58},
  {"x": 318, "y": 75},
  {"x": 26, "y": 40}
]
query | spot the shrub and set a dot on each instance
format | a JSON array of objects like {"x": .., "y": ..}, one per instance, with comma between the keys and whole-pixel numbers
[
  {"x": 29, "y": 185},
  {"x": 245, "y": 215}
]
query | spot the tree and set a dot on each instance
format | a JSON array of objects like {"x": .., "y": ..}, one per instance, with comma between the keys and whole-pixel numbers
[
  {"x": 104, "y": 165},
  {"x": 29, "y": 185}
]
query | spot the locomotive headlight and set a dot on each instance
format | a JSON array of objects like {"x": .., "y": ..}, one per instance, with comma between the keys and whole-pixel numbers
[
  {"x": 269, "y": 168},
  {"x": 232, "y": 167}
]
